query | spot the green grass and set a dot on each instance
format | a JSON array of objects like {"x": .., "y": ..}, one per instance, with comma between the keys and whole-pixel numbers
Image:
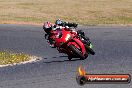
[
  {"x": 10, "y": 58},
  {"x": 86, "y": 12}
]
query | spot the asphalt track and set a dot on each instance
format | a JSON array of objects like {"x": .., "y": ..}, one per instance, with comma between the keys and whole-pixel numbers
[{"x": 113, "y": 47}]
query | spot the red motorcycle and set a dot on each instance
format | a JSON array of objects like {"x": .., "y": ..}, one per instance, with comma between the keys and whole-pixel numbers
[{"x": 68, "y": 43}]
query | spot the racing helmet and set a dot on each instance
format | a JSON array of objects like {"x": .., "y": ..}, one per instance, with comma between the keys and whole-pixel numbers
[
  {"x": 47, "y": 27},
  {"x": 58, "y": 22}
]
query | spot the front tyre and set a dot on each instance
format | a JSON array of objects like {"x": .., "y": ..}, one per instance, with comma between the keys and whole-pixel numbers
[
  {"x": 76, "y": 51},
  {"x": 85, "y": 55},
  {"x": 69, "y": 57}
]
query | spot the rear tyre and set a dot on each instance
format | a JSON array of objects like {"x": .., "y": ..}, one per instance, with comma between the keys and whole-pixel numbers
[{"x": 76, "y": 52}]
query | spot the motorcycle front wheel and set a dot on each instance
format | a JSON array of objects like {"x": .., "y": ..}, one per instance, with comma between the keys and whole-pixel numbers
[{"x": 76, "y": 52}]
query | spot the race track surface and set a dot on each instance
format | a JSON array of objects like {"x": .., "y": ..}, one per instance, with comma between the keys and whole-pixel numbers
[{"x": 113, "y": 47}]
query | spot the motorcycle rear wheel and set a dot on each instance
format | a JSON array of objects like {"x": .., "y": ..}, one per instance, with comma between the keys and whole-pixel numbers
[{"x": 89, "y": 50}]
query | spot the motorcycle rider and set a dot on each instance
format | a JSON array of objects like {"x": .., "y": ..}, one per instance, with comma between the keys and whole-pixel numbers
[
  {"x": 72, "y": 27},
  {"x": 47, "y": 26},
  {"x": 64, "y": 24},
  {"x": 69, "y": 26}
]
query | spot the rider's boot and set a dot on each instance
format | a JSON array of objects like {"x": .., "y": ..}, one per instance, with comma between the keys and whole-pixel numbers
[{"x": 52, "y": 44}]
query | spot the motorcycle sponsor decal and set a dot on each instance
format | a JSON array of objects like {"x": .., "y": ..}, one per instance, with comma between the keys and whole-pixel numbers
[
  {"x": 67, "y": 37},
  {"x": 84, "y": 78}
]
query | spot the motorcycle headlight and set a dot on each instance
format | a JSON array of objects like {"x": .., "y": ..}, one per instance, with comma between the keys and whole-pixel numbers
[{"x": 67, "y": 37}]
